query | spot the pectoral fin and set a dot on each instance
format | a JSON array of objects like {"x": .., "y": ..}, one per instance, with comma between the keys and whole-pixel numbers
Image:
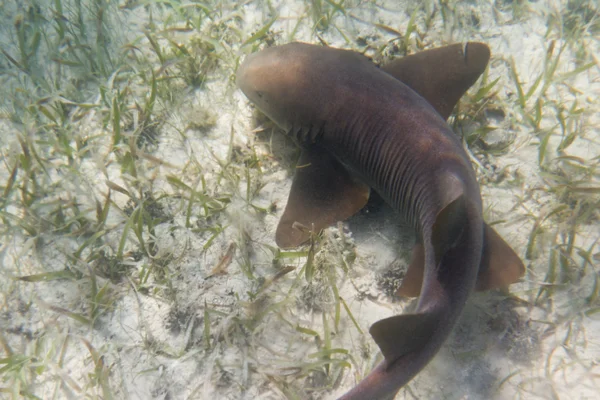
[
  {"x": 500, "y": 265},
  {"x": 323, "y": 192},
  {"x": 442, "y": 75}
]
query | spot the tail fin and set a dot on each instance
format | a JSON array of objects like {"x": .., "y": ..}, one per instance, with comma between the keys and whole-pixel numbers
[
  {"x": 402, "y": 334},
  {"x": 452, "y": 250}
]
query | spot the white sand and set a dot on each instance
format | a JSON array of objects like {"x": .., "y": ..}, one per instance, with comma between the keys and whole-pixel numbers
[{"x": 152, "y": 342}]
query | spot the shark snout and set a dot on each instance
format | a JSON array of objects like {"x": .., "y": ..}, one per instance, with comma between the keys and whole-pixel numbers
[{"x": 244, "y": 73}]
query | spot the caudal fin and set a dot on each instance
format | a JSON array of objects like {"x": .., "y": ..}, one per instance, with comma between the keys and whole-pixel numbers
[{"x": 402, "y": 334}]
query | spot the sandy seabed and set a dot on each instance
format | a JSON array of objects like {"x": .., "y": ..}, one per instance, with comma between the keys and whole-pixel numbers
[{"x": 250, "y": 326}]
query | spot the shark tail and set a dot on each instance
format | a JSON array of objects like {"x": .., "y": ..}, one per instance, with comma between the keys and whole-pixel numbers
[
  {"x": 408, "y": 342},
  {"x": 453, "y": 248}
]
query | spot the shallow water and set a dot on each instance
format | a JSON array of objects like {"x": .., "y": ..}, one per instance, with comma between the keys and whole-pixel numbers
[{"x": 141, "y": 193}]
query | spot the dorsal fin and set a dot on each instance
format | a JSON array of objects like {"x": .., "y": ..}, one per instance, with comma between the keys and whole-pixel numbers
[
  {"x": 500, "y": 266},
  {"x": 445, "y": 232},
  {"x": 442, "y": 75},
  {"x": 323, "y": 192},
  {"x": 448, "y": 227}
]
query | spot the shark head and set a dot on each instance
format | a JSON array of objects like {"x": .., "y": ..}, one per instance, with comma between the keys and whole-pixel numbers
[
  {"x": 273, "y": 80},
  {"x": 297, "y": 85}
]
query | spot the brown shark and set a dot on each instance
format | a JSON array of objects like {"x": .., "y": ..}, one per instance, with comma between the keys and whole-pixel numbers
[{"x": 364, "y": 127}]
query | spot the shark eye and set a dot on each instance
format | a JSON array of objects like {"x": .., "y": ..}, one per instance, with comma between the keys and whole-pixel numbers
[{"x": 260, "y": 94}]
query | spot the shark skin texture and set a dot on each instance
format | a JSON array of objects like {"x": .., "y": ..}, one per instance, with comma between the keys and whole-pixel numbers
[{"x": 367, "y": 128}]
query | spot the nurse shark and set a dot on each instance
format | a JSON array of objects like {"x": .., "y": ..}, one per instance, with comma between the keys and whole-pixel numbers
[{"x": 365, "y": 128}]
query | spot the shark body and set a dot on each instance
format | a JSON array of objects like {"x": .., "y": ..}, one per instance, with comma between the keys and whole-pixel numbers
[{"x": 365, "y": 127}]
